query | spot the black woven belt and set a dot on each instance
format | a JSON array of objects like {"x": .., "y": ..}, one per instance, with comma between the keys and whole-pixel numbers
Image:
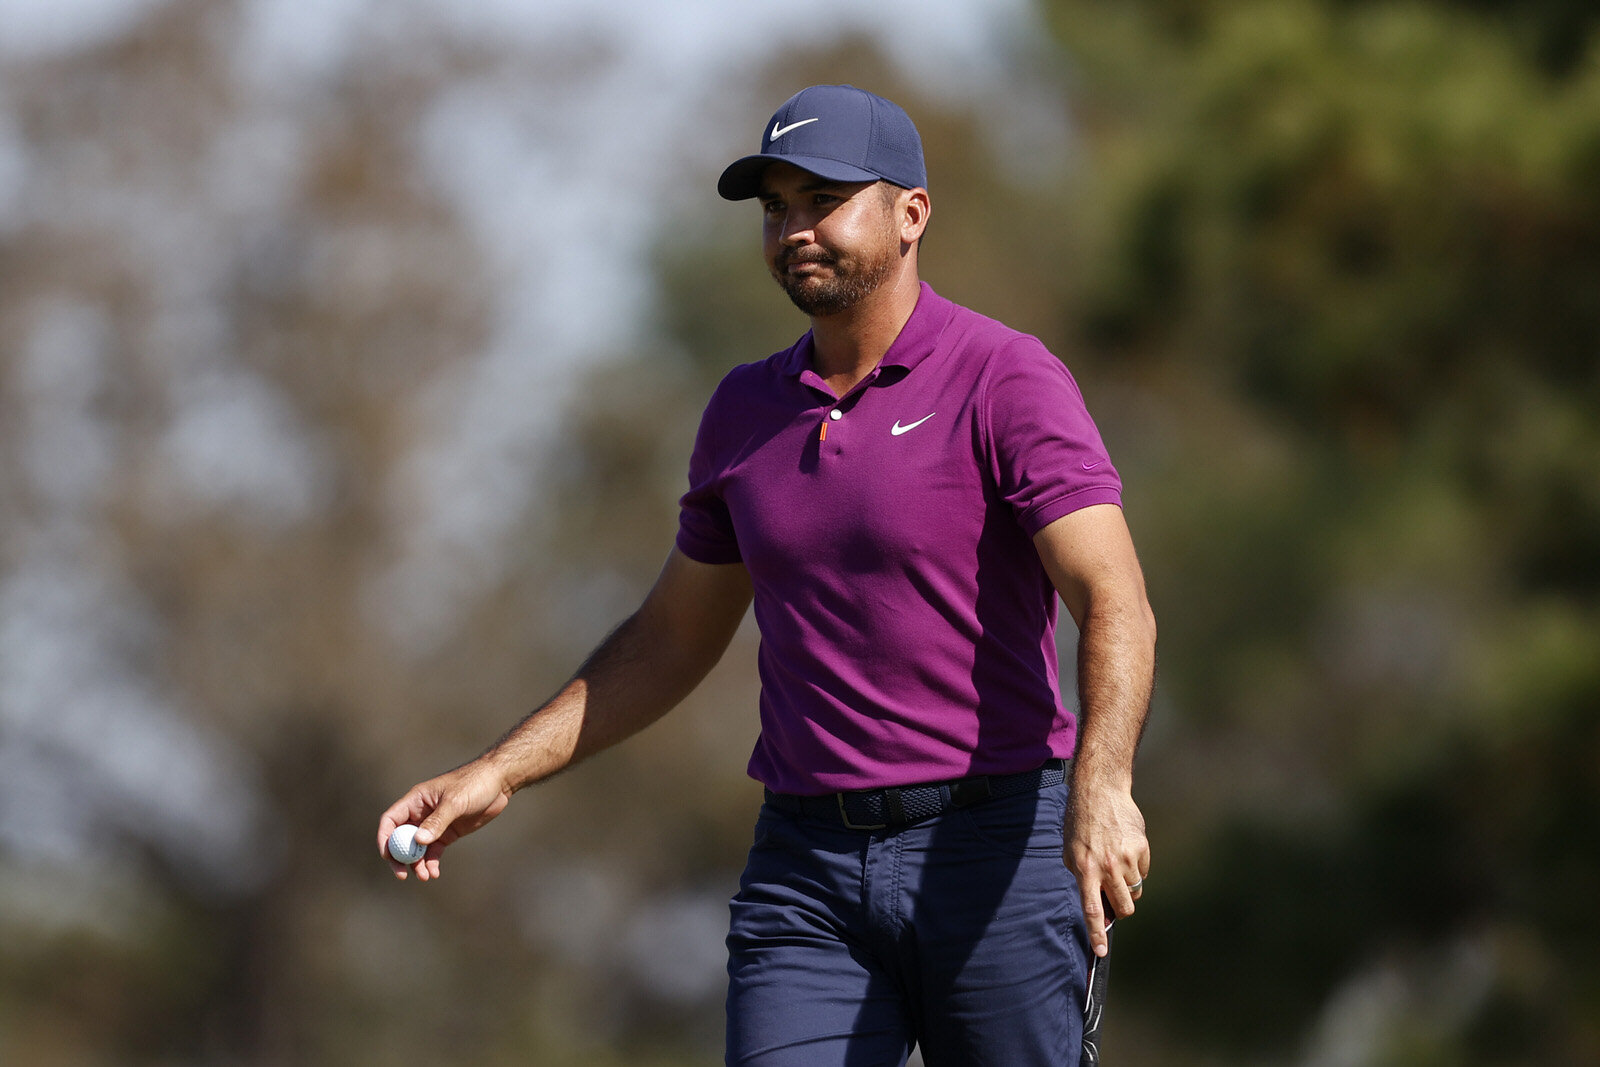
[{"x": 881, "y": 809}]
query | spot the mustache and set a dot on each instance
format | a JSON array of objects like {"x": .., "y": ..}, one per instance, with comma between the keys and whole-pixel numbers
[{"x": 790, "y": 256}]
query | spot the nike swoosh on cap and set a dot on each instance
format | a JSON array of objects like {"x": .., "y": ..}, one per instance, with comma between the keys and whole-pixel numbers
[
  {"x": 896, "y": 430},
  {"x": 779, "y": 132}
]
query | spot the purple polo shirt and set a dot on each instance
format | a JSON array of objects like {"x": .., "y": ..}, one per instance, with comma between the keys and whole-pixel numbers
[{"x": 907, "y": 624}]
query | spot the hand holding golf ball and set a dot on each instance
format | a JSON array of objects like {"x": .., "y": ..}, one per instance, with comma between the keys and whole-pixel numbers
[
  {"x": 441, "y": 810},
  {"x": 404, "y": 847}
]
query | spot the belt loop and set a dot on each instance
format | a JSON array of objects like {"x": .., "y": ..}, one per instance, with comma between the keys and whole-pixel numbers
[{"x": 897, "y": 809}]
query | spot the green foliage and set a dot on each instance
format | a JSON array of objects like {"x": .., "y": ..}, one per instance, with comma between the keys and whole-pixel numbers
[{"x": 1352, "y": 253}]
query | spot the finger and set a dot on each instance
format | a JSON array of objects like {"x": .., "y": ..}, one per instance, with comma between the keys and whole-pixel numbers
[
  {"x": 1142, "y": 866},
  {"x": 428, "y": 865},
  {"x": 1121, "y": 900},
  {"x": 1095, "y": 918},
  {"x": 386, "y": 826}
]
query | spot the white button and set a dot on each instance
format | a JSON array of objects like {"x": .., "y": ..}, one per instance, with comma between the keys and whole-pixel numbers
[{"x": 835, "y": 414}]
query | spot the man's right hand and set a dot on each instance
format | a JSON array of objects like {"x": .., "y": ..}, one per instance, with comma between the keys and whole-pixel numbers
[{"x": 444, "y": 808}]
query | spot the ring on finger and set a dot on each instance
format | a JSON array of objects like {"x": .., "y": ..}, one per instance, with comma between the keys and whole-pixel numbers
[{"x": 1137, "y": 886}]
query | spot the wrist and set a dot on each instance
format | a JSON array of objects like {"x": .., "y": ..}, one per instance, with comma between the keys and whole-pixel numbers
[
  {"x": 504, "y": 770},
  {"x": 1089, "y": 776}
]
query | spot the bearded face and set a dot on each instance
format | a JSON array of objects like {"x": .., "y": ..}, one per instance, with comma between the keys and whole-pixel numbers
[
  {"x": 830, "y": 247},
  {"x": 841, "y": 281}
]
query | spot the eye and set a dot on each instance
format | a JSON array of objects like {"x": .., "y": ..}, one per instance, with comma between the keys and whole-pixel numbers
[{"x": 771, "y": 207}]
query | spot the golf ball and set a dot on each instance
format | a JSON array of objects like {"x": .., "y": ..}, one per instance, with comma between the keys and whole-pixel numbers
[{"x": 403, "y": 845}]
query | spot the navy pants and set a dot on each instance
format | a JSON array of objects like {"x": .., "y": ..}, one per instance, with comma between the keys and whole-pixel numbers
[{"x": 962, "y": 934}]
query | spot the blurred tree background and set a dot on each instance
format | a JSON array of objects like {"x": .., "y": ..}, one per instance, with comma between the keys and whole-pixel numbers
[{"x": 328, "y": 445}]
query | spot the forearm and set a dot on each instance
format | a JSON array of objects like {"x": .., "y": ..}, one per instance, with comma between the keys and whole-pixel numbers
[
  {"x": 1116, "y": 676},
  {"x": 628, "y": 682},
  {"x": 639, "y": 673},
  {"x": 1089, "y": 557}
]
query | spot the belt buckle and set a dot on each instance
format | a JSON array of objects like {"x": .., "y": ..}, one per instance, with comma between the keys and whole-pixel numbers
[{"x": 844, "y": 816}]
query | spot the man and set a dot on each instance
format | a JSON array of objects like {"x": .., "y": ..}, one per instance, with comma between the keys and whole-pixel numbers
[{"x": 903, "y": 494}]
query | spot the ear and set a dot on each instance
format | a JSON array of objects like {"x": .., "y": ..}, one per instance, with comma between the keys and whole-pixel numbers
[{"x": 914, "y": 209}]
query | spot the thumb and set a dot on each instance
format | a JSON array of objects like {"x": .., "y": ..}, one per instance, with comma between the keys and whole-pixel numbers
[{"x": 437, "y": 822}]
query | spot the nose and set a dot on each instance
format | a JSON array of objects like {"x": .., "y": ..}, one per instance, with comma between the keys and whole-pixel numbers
[
  {"x": 796, "y": 232},
  {"x": 791, "y": 225}
]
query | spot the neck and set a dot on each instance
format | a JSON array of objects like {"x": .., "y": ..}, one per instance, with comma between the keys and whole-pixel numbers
[{"x": 847, "y": 346}]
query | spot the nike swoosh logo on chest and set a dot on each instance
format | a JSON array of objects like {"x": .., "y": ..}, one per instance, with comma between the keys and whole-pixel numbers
[{"x": 896, "y": 430}]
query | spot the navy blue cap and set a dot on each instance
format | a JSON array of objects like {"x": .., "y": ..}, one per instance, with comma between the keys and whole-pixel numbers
[{"x": 836, "y": 132}]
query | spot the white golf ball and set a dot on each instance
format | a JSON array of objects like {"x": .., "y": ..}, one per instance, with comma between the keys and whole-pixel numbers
[{"x": 403, "y": 845}]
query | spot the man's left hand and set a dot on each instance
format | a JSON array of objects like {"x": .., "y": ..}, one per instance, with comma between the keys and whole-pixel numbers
[{"x": 1107, "y": 850}]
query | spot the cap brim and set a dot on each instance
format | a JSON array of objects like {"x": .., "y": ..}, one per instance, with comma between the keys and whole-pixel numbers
[{"x": 742, "y": 178}]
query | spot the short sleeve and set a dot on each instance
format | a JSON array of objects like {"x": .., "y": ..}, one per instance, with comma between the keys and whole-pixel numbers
[
  {"x": 705, "y": 528},
  {"x": 1045, "y": 451}
]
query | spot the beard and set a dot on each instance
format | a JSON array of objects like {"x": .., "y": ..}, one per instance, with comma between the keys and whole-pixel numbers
[{"x": 853, "y": 280}]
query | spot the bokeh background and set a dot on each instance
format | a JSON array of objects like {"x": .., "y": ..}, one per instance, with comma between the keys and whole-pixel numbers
[{"x": 350, "y": 355}]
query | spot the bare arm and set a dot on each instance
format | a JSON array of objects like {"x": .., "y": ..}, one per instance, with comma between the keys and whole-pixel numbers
[
  {"x": 1090, "y": 558},
  {"x": 637, "y": 674}
]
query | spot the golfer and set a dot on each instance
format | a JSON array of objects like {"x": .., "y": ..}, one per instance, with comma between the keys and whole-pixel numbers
[{"x": 903, "y": 494}]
